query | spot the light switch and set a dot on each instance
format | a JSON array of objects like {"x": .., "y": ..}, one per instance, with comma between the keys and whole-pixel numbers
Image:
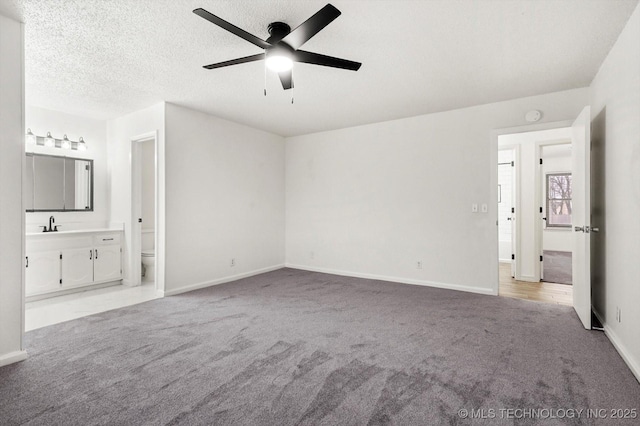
[
  {"x": 474, "y": 208},
  {"x": 485, "y": 208}
]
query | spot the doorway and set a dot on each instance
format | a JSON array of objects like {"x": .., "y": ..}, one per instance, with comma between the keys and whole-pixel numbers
[
  {"x": 529, "y": 216},
  {"x": 522, "y": 213},
  {"x": 555, "y": 182},
  {"x": 144, "y": 211}
]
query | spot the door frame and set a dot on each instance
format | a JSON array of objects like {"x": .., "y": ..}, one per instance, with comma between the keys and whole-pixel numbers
[
  {"x": 493, "y": 178},
  {"x": 515, "y": 204},
  {"x": 135, "y": 256}
]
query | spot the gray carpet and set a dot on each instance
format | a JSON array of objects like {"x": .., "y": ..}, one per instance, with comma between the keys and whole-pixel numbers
[
  {"x": 293, "y": 347},
  {"x": 557, "y": 267}
]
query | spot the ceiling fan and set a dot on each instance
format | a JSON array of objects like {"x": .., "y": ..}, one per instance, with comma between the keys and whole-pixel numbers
[{"x": 282, "y": 48}]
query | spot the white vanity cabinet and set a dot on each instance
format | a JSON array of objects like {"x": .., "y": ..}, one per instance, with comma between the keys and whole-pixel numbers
[
  {"x": 77, "y": 267},
  {"x": 42, "y": 272},
  {"x": 61, "y": 261},
  {"x": 107, "y": 258}
]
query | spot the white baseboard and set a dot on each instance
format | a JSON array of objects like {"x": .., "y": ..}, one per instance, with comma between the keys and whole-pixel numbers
[
  {"x": 12, "y": 357},
  {"x": 633, "y": 364},
  {"x": 528, "y": 278},
  {"x": 480, "y": 290},
  {"x": 223, "y": 280}
]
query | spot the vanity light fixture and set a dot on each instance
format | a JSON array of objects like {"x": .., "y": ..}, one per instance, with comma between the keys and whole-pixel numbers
[
  {"x": 31, "y": 138},
  {"x": 81, "y": 146},
  {"x": 51, "y": 142},
  {"x": 65, "y": 143}
]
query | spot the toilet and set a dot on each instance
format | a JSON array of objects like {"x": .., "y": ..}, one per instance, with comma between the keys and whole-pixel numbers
[{"x": 148, "y": 256}]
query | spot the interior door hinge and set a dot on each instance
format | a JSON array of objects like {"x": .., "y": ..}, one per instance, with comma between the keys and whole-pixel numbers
[
  {"x": 513, "y": 257},
  {"x": 513, "y": 163},
  {"x": 60, "y": 255},
  {"x": 540, "y": 209},
  {"x": 513, "y": 209},
  {"x": 540, "y": 258},
  {"x": 60, "y": 280},
  {"x": 541, "y": 161}
]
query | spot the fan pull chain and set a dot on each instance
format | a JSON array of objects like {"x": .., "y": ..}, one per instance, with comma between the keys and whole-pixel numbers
[
  {"x": 265, "y": 73},
  {"x": 293, "y": 86}
]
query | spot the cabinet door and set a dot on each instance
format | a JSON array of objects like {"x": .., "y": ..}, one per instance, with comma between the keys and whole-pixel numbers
[
  {"x": 42, "y": 273},
  {"x": 77, "y": 267},
  {"x": 107, "y": 263}
]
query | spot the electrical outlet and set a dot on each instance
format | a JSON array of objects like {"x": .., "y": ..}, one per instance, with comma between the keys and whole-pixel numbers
[
  {"x": 474, "y": 208},
  {"x": 484, "y": 208},
  {"x": 233, "y": 262},
  {"x": 419, "y": 264}
]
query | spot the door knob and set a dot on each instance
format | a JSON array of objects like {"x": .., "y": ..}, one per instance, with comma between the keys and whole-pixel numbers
[
  {"x": 579, "y": 228},
  {"x": 595, "y": 229}
]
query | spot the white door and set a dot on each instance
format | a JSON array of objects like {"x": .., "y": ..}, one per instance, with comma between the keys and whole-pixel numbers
[
  {"x": 42, "y": 273},
  {"x": 107, "y": 263},
  {"x": 581, "y": 215},
  {"x": 77, "y": 267}
]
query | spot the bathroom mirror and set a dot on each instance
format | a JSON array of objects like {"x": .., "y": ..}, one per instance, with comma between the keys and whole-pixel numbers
[{"x": 58, "y": 184}]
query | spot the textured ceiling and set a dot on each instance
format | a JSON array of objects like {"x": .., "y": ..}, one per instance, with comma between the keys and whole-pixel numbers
[{"x": 106, "y": 58}]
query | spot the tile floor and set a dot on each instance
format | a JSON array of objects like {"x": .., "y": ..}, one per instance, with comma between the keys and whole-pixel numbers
[{"x": 54, "y": 310}]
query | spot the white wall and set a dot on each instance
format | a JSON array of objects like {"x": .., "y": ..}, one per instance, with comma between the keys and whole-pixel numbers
[
  {"x": 11, "y": 206},
  {"x": 557, "y": 159},
  {"x": 529, "y": 222},
  {"x": 120, "y": 132},
  {"x": 225, "y": 199},
  {"x": 615, "y": 106},
  {"x": 94, "y": 132},
  {"x": 376, "y": 199}
]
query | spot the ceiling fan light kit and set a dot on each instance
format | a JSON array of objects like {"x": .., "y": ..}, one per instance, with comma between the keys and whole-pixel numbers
[
  {"x": 282, "y": 48},
  {"x": 279, "y": 59}
]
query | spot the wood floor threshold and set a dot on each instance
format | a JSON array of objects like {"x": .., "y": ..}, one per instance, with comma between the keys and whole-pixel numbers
[{"x": 560, "y": 294}]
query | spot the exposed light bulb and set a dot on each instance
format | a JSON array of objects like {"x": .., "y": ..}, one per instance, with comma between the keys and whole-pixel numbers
[
  {"x": 49, "y": 140},
  {"x": 66, "y": 143},
  {"x": 279, "y": 63},
  {"x": 81, "y": 145},
  {"x": 31, "y": 138}
]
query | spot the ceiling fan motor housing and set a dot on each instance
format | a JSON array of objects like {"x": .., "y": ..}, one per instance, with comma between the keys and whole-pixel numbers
[{"x": 277, "y": 31}]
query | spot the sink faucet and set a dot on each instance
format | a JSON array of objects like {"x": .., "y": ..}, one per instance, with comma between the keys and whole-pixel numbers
[{"x": 52, "y": 220}]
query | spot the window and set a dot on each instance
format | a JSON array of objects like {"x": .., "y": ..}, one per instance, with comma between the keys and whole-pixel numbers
[{"x": 559, "y": 200}]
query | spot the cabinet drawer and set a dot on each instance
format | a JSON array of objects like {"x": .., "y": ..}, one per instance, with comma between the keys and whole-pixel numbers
[{"x": 107, "y": 239}]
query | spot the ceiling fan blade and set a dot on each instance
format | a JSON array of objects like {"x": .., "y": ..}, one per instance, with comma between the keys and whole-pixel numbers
[
  {"x": 231, "y": 28},
  {"x": 251, "y": 58},
  {"x": 302, "y": 33},
  {"x": 286, "y": 79},
  {"x": 327, "y": 61}
]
